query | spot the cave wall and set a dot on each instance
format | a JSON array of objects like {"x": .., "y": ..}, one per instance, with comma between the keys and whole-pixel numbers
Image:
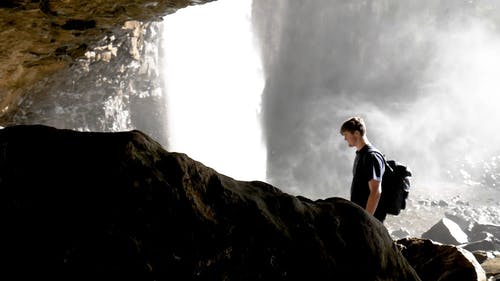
[{"x": 40, "y": 39}]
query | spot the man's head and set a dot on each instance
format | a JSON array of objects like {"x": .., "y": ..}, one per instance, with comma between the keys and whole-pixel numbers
[
  {"x": 352, "y": 125},
  {"x": 353, "y": 130}
]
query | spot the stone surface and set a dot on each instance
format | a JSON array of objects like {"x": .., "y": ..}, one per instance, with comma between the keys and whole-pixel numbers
[
  {"x": 446, "y": 231},
  {"x": 83, "y": 205},
  {"x": 492, "y": 268},
  {"x": 115, "y": 87},
  {"x": 40, "y": 38},
  {"x": 435, "y": 261},
  {"x": 484, "y": 240}
]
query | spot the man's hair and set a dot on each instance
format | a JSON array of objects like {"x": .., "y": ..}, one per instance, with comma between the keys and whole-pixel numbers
[{"x": 352, "y": 125}]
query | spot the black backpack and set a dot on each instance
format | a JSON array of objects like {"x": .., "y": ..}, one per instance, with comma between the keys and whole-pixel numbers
[{"x": 395, "y": 186}]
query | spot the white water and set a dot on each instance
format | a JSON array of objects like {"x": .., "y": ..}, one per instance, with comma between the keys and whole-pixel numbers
[{"x": 213, "y": 82}]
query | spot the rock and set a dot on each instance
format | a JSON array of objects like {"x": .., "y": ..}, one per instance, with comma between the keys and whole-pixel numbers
[
  {"x": 446, "y": 231},
  {"x": 435, "y": 261},
  {"x": 41, "y": 38},
  {"x": 492, "y": 268},
  {"x": 442, "y": 203},
  {"x": 400, "y": 233},
  {"x": 464, "y": 223},
  {"x": 482, "y": 256},
  {"x": 78, "y": 205},
  {"x": 478, "y": 229},
  {"x": 488, "y": 243}
]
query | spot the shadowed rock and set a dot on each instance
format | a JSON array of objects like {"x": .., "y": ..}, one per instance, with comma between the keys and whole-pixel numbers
[
  {"x": 464, "y": 233},
  {"x": 479, "y": 229},
  {"x": 78, "y": 205},
  {"x": 435, "y": 261}
]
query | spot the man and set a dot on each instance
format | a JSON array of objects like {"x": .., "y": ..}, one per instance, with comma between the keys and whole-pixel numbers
[{"x": 368, "y": 168}]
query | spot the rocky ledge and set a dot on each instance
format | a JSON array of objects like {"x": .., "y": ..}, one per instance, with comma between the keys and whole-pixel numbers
[
  {"x": 79, "y": 205},
  {"x": 41, "y": 37}
]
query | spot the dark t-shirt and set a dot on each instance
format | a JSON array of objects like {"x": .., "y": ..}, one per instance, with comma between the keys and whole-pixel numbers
[{"x": 368, "y": 165}]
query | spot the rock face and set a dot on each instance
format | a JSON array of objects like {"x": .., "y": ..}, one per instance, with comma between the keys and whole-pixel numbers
[
  {"x": 462, "y": 235},
  {"x": 446, "y": 231},
  {"x": 78, "y": 205},
  {"x": 492, "y": 267},
  {"x": 435, "y": 261},
  {"x": 40, "y": 38}
]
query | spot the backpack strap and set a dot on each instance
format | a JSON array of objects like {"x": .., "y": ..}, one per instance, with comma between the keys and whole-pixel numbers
[{"x": 372, "y": 149}]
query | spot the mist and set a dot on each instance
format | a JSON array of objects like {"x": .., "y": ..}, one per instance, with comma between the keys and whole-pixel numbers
[{"x": 421, "y": 73}]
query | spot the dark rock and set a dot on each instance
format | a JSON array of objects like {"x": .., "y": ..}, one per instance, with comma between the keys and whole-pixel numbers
[
  {"x": 74, "y": 24},
  {"x": 11, "y": 4},
  {"x": 489, "y": 243},
  {"x": 84, "y": 205},
  {"x": 400, "y": 233},
  {"x": 482, "y": 256},
  {"x": 435, "y": 261},
  {"x": 478, "y": 229}
]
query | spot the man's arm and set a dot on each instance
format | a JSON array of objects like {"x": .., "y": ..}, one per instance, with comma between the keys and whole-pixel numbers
[{"x": 374, "y": 197}]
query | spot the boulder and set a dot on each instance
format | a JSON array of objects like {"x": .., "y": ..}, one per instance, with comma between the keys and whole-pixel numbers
[
  {"x": 492, "y": 268},
  {"x": 478, "y": 230},
  {"x": 89, "y": 205},
  {"x": 482, "y": 256},
  {"x": 435, "y": 261},
  {"x": 489, "y": 244},
  {"x": 464, "y": 223},
  {"x": 446, "y": 231},
  {"x": 400, "y": 233}
]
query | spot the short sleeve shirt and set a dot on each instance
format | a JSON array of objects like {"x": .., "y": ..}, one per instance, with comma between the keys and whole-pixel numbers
[{"x": 368, "y": 165}]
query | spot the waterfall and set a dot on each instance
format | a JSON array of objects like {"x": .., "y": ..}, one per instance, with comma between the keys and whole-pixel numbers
[
  {"x": 213, "y": 84},
  {"x": 421, "y": 73}
]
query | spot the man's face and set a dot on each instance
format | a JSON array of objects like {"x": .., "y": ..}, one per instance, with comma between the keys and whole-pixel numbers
[{"x": 351, "y": 137}]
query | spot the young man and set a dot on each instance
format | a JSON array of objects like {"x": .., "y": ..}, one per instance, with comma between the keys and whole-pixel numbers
[{"x": 368, "y": 168}]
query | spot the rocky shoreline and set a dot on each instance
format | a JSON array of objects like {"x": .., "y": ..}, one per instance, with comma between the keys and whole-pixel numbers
[{"x": 466, "y": 217}]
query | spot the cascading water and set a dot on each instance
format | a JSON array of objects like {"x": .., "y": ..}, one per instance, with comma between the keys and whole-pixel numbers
[
  {"x": 422, "y": 73},
  {"x": 213, "y": 84}
]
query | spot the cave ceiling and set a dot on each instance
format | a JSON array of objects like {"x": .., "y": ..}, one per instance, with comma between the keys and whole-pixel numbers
[{"x": 38, "y": 38}]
